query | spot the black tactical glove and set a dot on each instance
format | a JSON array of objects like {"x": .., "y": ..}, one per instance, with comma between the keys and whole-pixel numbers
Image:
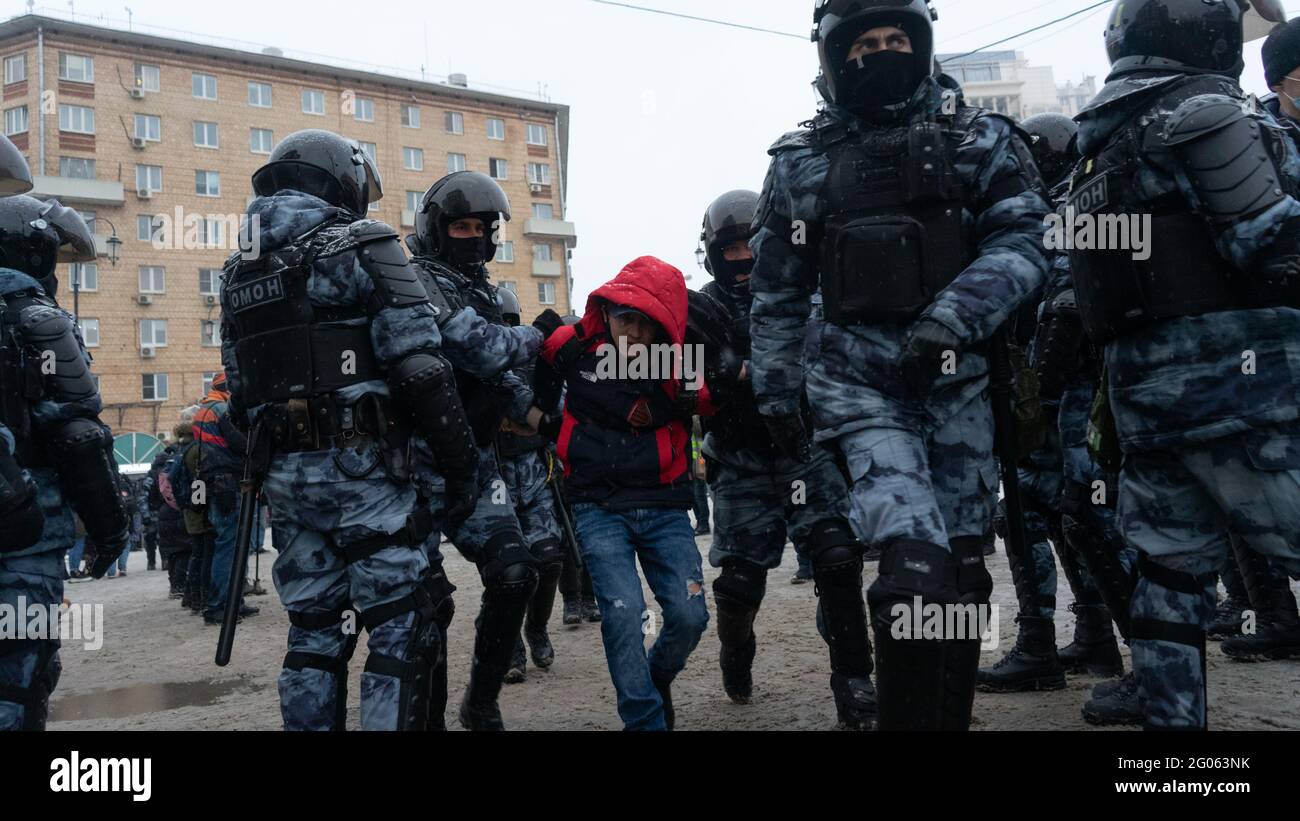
[
  {"x": 99, "y": 557},
  {"x": 548, "y": 322},
  {"x": 238, "y": 414},
  {"x": 461, "y": 499},
  {"x": 790, "y": 436},
  {"x": 923, "y": 353}
]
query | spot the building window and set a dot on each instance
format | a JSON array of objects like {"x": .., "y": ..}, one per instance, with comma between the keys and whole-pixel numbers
[
  {"x": 455, "y": 122},
  {"x": 205, "y": 134},
  {"x": 505, "y": 251},
  {"x": 259, "y": 94},
  {"x": 210, "y": 280},
  {"x": 543, "y": 211},
  {"x": 148, "y": 228},
  {"x": 148, "y": 127},
  {"x": 210, "y": 333},
  {"x": 154, "y": 387},
  {"x": 496, "y": 129},
  {"x": 541, "y": 252},
  {"x": 212, "y": 232},
  {"x": 411, "y": 116},
  {"x": 77, "y": 168},
  {"x": 509, "y": 286},
  {"x": 364, "y": 109},
  {"x": 77, "y": 118},
  {"x": 76, "y": 67},
  {"x": 208, "y": 378},
  {"x": 153, "y": 279},
  {"x": 205, "y": 86},
  {"x": 539, "y": 173},
  {"x": 207, "y": 183},
  {"x": 153, "y": 333},
  {"x": 413, "y": 159},
  {"x": 89, "y": 332},
  {"x": 546, "y": 293},
  {"x": 85, "y": 275},
  {"x": 16, "y": 119},
  {"x": 498, "y": 169},
  {"x": 148, "y": 178},
  {"x": 455, "y": 162},
  {"x": 260, "y": 140},
  {"x": 15, "y": 68},
  {"x": 147, "y": 77},
  {"x": 370, "y": 150},
  {"x": 413, "y": 200},
  {"x": 313, "y": 101},
  {"x": 536, "y": 134}
]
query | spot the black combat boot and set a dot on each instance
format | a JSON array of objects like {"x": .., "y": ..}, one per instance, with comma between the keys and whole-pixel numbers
[
  {"x": 1031, "y": 664},
  {"x": 500, "y": 618},
  {"x": 842, "y": 617},
  {"x": 518, "y": 670},
  {"x": 1228, "y": 618},
  {"x": 1115, "y": 703},
  {"x": 572, "y": 612},
  {"x": 1277, "y": 625},
  {"x": 590, "y": 610},
  {"x": 665, "y": 688},
  {"x": 1094, "y": 649},
  {"x": 539, "y": 613},
  {"x": 737, "y": 594}
]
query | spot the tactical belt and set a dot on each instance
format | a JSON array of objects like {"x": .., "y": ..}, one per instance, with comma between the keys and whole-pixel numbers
[{"x": 321, "y": 423}]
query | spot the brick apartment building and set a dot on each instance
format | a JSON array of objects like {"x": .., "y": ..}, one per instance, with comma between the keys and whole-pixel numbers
[{"x": 157, "y": 138}]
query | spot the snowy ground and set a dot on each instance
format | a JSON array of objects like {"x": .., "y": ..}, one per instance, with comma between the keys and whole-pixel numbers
[{"x": 155, "y": 669}]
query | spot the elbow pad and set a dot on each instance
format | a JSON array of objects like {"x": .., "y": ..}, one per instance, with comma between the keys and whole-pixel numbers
[
  {"x": 21, "y": 518},
  {"x": 83, "y": 451},
  {"x": 49, "y": 331},
  {"x": 423, "y": 382}
]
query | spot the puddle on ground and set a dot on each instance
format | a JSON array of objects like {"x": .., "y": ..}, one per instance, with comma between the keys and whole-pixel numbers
[{"x": 144, "y": 698}]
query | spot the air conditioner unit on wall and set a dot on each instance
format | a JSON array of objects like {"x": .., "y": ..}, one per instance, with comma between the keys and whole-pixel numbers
[
  {"x": 144, "y": 299},
  {"x": 137, "y": 94},
  {"x": 137, "y": 142},
  {"x": 144, "y": 193},
  {"x": 534, "y": 187},
  {"x": 148, "y": 352},
  {"x": 209, "y": 299}
]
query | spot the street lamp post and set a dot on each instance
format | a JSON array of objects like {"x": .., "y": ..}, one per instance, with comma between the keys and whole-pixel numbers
[{"x": 114, "y": 242}]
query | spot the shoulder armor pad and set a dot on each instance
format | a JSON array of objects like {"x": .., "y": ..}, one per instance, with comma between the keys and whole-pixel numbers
[
  {"x": 364, "y": 231},
  {"x": 1225, "y": 156},
  {"x": 48, "y": 330},
  {"x": 1200, "y": 116},
  {"x": 397, "y": 285},
  {"x": 803, "y": 138}
]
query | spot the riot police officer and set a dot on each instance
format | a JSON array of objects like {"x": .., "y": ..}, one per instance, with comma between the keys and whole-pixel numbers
[
  {"x": 761, "y": 494},
  {"x": 921, "y": 220},
  {"x": 1201, "y": 330},
  {"x": 1062, "y": 475},
  {"x": 456, "y": 232},
  {"x": 50, "y": 407},
  {"x": 330, "y": 344}
]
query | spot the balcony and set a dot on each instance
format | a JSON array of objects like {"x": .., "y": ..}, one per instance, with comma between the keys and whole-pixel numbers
[
  {"x": 552, "y": 228},
  {"x": 71, "y": 191},
  {"x": 548, "y": 268}
]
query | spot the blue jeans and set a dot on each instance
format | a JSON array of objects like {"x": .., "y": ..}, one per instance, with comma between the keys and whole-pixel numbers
[
  {"x": 662, "y": 539},
  {"x": 75, "y": 554},
  {"x": 226, "y": 525},
  {"x": 120, "y": 564}
]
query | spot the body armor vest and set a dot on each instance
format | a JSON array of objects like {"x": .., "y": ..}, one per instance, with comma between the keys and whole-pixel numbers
[
  {"x": 21, "y": 382},
  {"x": 485, "y": 403},
  {"x": 287, "y": 348},
  {"x": 1184, "y": 275},
  {"x": 892, "y": 204}
]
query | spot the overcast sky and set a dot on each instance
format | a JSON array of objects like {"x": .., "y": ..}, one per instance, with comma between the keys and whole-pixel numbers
[{"x": 666, "y": 113}]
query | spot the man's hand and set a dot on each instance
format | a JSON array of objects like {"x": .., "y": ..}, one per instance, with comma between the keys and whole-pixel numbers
[
  {"x": 530, "y": 428},
  {"x": 548, "y": 322},
  {"x": 790, "y": 436},
  {"x": 922, "y": 361},
  {"x": 461, "y": 499},
  {"x": 100, "y": 556}
]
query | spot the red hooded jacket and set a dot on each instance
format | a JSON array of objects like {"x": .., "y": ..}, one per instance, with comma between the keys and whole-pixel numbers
[{"x": 608, "y": 460}]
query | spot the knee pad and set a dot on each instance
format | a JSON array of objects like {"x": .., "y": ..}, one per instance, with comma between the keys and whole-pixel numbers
[
  {"x": 505, "y": 561},
  {"x": 742, "y": 583},
  {"x": 547, "y": 552},
  {"x": 974, "y": 584},
  {"x": 832, "y": 544},
  {"x": 911, "y": 569}
]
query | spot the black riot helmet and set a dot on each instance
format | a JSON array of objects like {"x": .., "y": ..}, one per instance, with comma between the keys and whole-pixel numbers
[
  {"x": 454, "y": 197},
  {"x": 15, "y": 176},
  {"x": 728, "y": 219},
  {"x": 1191, "y": 36},
  {"x": 509, "y": 304},
  {"x": 36, "y": 235},
  {"x": 1054, "y": 145},
  {"x": 324, "y": 165},
  {"x": 872, "y": 84}
]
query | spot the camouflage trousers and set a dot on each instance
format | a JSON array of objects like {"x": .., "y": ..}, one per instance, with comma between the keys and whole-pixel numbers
[
  {"x": 1178, "y": 508},
  {"x": 1041, "y": 483},
  {"x": 525, "y": 479},
  {"x": 324, "y": 505},
  {"x": 757, "y": 506},
  {"x": 493, "y": 523},
  {"x": 927, "y": 485},
  {"x": 33, "y": 578}
]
